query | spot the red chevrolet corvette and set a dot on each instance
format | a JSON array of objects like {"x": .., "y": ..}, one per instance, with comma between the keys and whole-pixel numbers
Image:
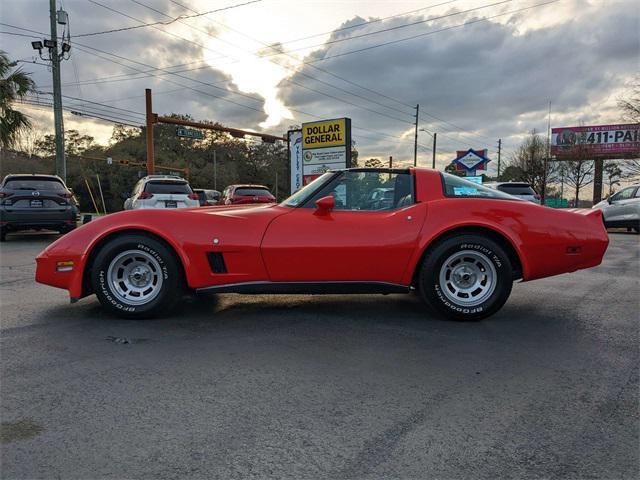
[{"x": 459, "y": 244}]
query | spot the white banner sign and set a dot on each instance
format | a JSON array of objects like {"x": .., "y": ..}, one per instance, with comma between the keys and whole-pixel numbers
[{"x": 295, "y": 156}]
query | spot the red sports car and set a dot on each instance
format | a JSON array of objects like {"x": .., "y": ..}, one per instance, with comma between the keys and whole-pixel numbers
[{"x": 459, "y": 244}]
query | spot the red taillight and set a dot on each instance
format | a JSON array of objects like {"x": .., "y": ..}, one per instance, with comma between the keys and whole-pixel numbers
[
  {"x": 2, "y": 195},
  {"x": 194, "y": 196},
  {"x": 145, "y": 195}
]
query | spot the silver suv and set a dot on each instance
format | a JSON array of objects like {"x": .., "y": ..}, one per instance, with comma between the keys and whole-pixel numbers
[
  {"x": 162, "y": 191},
  {"x": 622, "y": 209},
  {"x": 522, "y": 190}
]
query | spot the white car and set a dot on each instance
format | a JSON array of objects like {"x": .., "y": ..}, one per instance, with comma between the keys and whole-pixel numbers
[
  {"x": 162, "y": 191},
  {"x": 622, "y": 209},
  {"x": 522, "y": 190}
]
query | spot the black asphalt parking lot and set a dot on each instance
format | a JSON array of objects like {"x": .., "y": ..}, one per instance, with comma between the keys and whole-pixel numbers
[{"x": 324, "y": 386}]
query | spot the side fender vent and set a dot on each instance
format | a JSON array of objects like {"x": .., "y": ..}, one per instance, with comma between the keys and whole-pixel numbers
[{"x": 216, "y": 262}]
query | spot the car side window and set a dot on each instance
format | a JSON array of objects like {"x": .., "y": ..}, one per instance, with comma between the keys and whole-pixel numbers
[
  {"x": 625, "y": 194},
  {"x": 368, "y": 191},
  {"x": 638, "y": 193}
]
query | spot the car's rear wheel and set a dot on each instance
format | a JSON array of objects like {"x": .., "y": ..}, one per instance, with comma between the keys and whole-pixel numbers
[
  {"x": 136, "y": 276},
  {"x": 466, "y": 277}
]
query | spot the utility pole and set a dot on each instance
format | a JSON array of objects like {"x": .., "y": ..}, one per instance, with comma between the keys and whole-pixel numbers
[
  {"x": 149, "y": 132},
  {"x": 390, "y": 161},
  {"x": 433, "y": 158},
  {"x": 215, "y": 171},
  {"x": 499, "y": 154},
  {"x": 415, "y": 141},
  {"x": 543, "y": 194},
  {"x": 61, "y": 164}
]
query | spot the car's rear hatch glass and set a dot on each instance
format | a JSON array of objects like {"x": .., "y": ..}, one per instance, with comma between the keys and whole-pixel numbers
[
  {"x": 34, "y": 184},
  {"x": 253, "y": 192},
  {"x": 168, "y": 187},
  {"x": 522, "y": 189}
]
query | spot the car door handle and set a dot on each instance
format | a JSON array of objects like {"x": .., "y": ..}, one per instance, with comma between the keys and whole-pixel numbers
[{"x": 409, "y": 218}]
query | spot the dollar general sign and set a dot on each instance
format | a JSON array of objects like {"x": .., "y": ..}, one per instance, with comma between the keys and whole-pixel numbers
[{"x": 327, "y": 133}]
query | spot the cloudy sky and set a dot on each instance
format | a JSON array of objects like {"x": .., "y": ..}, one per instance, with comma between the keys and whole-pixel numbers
[{"x": 480, "y": 69}]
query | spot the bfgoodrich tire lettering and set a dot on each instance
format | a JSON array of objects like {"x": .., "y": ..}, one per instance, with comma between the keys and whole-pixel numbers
[
  {"x": 136, "y": 276},
  {"x": 466, "y": 277}
]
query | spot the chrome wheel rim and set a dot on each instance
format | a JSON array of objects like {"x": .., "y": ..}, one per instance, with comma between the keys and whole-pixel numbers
[
  {"x": 135, "y": 277},
  {"x": 468, "y": 278}
]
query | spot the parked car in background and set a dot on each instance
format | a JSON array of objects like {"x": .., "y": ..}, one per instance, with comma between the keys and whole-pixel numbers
[
  {"x": 622, "y": 209},
  {"x": 521, "y": 190},
  {"x": 33, "y": 201},
  {"x": 239, "y": 194},
  {"x": 380, "y": 199},
  {"x": 162, "y": 191},
  {"x": 206, "y": 197}
]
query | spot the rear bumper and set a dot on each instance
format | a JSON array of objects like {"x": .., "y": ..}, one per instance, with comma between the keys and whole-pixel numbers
[
  {"x": 581, "y": 243},
  {"x": 22, "y": 219}
]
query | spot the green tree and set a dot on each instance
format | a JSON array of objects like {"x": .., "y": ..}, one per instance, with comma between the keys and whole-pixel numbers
[
  {"x": 374, "y": 163},
  {"x": 612, "y": 174},
  {"x": 15, "y": 84},
  {"x": 451, "y": 168}
]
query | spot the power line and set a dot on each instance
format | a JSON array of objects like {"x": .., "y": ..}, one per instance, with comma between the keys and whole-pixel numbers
[
  {"x": 376, "y": 46},
  {"x": 432, "y": 32},
  {"x": 317, "y": 91},
  {"x": 457, "y": 127},
  {"x": 85, "y": 113},
  {"x": 289, "y": 80},
  {"x": 349, "y": 27},
  {"x": 397, "y": 27},
  {"x": 161, "y": 23}
]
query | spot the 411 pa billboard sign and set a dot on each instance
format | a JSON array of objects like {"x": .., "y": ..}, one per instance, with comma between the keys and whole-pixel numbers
[{"x": 599, "y": 141}]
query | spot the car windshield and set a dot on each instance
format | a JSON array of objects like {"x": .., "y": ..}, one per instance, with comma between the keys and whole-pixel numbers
[
  {"x": 168, "y": 187},
  {"x": 299, "y": 197},
  {"x": 253, "y": 192},
  {"x": 34, "y": 184},
  {"x": 517, "y": 189}
]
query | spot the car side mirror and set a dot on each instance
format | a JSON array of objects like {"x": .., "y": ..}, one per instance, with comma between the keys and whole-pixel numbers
[
  {"x": 609, "y": 201},
  {"x": 325, "y": 204}
]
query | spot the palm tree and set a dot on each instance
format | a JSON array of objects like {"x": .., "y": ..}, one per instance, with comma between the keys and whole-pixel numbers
[{"x": 14, "y": 85}]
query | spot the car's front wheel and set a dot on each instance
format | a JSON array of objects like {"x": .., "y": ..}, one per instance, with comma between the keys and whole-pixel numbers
[
  {"x": 136, "y": 276},
  {"x": 466, "y": 277}
]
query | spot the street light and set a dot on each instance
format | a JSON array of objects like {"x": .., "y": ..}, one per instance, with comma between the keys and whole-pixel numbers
[
  {"x": 50, "y": 44},
  {"x": 434, "y": 136},
  {"x": 37, "y": 45}
]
